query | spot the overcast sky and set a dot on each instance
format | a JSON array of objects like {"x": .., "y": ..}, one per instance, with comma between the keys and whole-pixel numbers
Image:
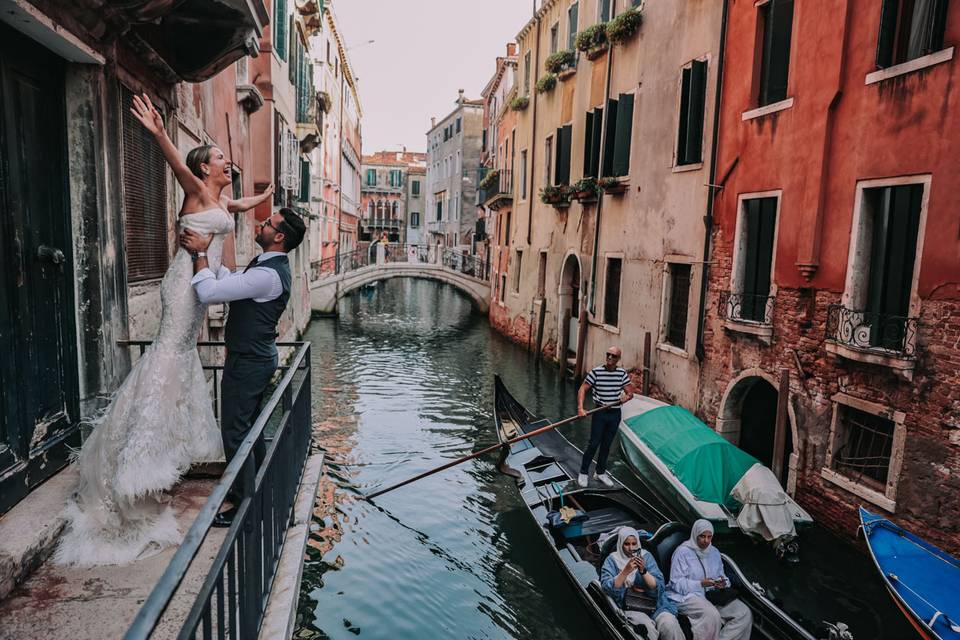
[{"x": 423, "y": 52}]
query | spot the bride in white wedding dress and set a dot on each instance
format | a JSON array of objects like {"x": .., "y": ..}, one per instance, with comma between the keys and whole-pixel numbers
[{"x": 160, "y": 420}]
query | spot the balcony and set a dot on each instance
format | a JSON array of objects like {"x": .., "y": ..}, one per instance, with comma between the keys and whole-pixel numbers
[
  {"x": 309, "y": 119},
  {"x": 381, "y": 223},
  {"x": 873, "y": 338},
  {"x": 496, "y": 189},
  {"x": 747, "y": 313}
]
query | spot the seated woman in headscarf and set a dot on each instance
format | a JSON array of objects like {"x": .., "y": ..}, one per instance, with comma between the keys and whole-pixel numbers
[
  {"x": 695, "y": 569},
  {"x": 625, "y": 569}
]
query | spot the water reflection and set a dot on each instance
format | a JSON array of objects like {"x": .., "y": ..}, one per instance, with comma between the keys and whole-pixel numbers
[{"x": 403, "y": 383}]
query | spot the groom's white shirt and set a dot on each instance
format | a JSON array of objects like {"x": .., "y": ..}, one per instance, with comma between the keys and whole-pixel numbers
[{"x": 260, "y": 283}]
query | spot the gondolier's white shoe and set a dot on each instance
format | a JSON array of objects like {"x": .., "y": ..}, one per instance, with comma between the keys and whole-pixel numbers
[
  {"x": 583, "y": 480},
  {"x": 605, "y": 479}
]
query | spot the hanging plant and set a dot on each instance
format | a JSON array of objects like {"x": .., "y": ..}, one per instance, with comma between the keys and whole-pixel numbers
[
  {"x": 591, "y": 37},
  {"x": 560, "y": 61},
  {"x": 585, "y": 189},
  {"x": 490, "y": 179},
  {"x": 558, "y": 196},
  {"x": 520, "y": 103},
  {"x": 622, "y": 28},
  {"x": 612, "y": 186},
  {"x": 546, "y": 83}
]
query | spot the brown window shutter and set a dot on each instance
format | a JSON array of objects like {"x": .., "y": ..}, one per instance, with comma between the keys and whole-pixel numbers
[{"x": 144, "y": 198}]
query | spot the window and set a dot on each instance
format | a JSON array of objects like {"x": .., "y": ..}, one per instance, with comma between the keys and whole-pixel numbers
[
  {"x": 617, "y": 134},
  {"x": 523, "y": 174},
  {"x": 458, "y": 125},
  {"x": 776, "y": 24},
  {"x": 564, "y": 141},
  {"x": 526, "y": 74},
  {"x": 415, "y": 188},
  {"x": 592, "y": 132},
  {"x": 572, "y": 17},
  {"x": 554, "y": 38},
  {"x": 280, "y": 28},
  {"x": 503, "y": 287},
  {"x": 542, "y": 275},
  {"x": 414, "y": 219},
  {"x": 910, "y": 29},
  {"x": 396, "y": 178},
  {"x": 678, "y": 292},
  {"x": 611, "y": 294},
  {"x": 865, "y": 454},
  {"x": 883, "y": 251},
  {"x": 548, "y": 160},
  {"x": 371, "y": 177},
  {"x": 144, "y": 198},
  {"x": 693, "y": 92},
  {"x": 370, "y": 209},
  {"x": 516, "y": 271},
  {"x": 605, "y": 10},
  {"x": 506, "y": 229},
  {"x": 753, "y": 260},
  {"x": 304, "y": 181},
  {"x": 439, "y": 197}
]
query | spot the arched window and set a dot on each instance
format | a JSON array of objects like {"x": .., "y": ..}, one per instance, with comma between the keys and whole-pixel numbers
[
  {"x": 379, "y": 209},
  {"x": 396, "y": 209},
  {"x": 371, "y": 208}
]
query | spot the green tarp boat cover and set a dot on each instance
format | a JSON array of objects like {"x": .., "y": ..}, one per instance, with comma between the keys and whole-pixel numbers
[{"x": 701, "y": 459}]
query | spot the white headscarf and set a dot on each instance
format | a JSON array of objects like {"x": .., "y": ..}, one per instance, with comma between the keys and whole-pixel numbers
[
  {"x": 698, "y": 528},
  {"x": 619, "y": 557}
]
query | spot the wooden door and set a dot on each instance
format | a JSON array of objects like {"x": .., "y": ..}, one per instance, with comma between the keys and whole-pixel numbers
[{"x": 38, "y": 365}]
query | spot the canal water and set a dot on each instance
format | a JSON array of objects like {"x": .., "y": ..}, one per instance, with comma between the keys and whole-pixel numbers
[{"x": 403, "y": 382}]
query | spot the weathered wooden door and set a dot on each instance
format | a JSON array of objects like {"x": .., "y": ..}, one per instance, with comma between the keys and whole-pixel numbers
[{"x": 38, "y": 365}]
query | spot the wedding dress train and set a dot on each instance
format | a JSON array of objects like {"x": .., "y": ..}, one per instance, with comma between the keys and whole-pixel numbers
[{"x": 158, "y": 423}]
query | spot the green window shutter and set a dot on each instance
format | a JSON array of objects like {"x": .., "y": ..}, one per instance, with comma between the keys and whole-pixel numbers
[
  {"x": 564, "y": 147},
  {"x": 588, "y": 144},
  {"x": 609, "y": 137},
  {"x": 557, "y": 148},
  {"x": 621, "y": 148},
  {"x": 761, "y": 219},
  {"x": 698, "y": 91},
  {"x": 684, "y": 116},
  {"x": 280, "y": 28},
  {"x": 888, "y": 32},
  {"x": 604, "y": 10},
  {"x": 597, "y": 134},
  {"x": 893, "y": 250},
  {"x": 573, "y": 14},
  {"x": 416, "y": 187},
  {"x": 304, "y": 181}
]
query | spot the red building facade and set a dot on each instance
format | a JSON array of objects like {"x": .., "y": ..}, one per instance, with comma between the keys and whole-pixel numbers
[{"x": 834, "y": 281}]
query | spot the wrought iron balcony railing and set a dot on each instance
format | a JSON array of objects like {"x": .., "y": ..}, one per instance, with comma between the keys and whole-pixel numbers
[
  {"x": 498, "y": 190},
  {"x": 746, "y": 307},
  {"x": 869, "y": 330}
]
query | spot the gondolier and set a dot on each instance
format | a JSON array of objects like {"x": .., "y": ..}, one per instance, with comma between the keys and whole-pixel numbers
[{"x": 611, "y": 386}]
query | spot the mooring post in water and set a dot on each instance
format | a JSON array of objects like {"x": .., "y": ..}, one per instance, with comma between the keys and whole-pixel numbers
[{"x": 646, "y": 364}]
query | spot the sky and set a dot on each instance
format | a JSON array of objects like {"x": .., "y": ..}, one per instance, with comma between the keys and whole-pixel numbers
[{"x": 423, "y": 52}]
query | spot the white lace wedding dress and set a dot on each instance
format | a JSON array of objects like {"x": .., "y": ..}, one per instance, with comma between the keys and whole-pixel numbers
[{"x": 158, "y": 422}]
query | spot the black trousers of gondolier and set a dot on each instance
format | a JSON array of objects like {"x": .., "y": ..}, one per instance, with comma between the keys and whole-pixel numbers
[
  {"x": 245, "y": 379},
  {"x": 603, "y": 429}
]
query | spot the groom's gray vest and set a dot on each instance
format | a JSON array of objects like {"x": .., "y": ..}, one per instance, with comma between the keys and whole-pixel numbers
[{"x": 252, "y": 326}]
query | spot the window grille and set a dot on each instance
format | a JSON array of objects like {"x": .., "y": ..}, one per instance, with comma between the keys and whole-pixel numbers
[{"x": 863, "y": 446}]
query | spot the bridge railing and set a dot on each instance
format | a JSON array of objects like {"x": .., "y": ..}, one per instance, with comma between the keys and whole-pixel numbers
[
  {"x": 340, "y": 263},
  {"x": 466, "y": 264}
]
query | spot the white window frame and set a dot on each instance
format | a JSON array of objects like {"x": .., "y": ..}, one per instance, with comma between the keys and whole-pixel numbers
[
  {"x": 666, "y": 300},
  {"x": 707, "y": 113},
  {"x": 887, "y": 499}
]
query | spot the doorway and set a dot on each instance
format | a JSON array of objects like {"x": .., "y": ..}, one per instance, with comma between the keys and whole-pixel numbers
[
  {"x": 749, "y": 416},
  {"x": 39, "y": 408},
  {"x": 568, "y": 312}
]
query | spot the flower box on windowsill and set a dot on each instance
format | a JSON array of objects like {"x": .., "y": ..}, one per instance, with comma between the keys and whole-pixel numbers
[
  {"x": 613, "y": 186},
  {"x": 566, "y": 73},
  {"x": 584, "y": 197},
  {"x": 595, "y": 52}
]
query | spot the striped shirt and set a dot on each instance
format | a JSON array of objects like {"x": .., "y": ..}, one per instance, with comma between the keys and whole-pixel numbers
[{"x": 607, "y": 385}]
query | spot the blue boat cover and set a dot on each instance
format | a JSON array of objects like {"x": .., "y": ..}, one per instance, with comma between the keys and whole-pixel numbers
[{"x": 926, "y": 579}]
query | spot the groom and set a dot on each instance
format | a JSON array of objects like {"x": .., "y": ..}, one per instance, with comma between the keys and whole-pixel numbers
[{"x": 258, "y": 296}]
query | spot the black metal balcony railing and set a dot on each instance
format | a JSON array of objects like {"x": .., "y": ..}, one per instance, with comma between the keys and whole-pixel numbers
[
  {"x": 872, "y": 331},
  {"x": 233, "y": 598},
  {"x": 498, "y": 188},
  {"x": 746, "y": 307},
  {"x": 466, "y": 264}
]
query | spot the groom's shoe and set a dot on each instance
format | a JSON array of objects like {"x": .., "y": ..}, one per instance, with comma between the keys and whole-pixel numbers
[{"x": 225, "y": 518}]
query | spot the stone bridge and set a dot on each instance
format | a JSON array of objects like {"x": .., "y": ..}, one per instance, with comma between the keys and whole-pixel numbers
[{"x": 462, "y": 271}]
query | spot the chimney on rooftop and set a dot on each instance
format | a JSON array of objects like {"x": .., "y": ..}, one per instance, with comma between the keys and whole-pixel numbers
[
  {"x": 460, "y": 98},
  {"x": 511, "y": 49},
  {"x": 433, "y": 122}
]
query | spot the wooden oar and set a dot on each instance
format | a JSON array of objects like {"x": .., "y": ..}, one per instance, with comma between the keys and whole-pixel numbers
[{"x": 506, "y": 443}]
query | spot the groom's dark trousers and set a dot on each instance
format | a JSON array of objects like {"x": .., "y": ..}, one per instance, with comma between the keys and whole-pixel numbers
[{"x": 250, "y": 334}]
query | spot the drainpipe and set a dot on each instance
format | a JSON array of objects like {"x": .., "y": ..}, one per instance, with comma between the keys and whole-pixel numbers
[
  {"x": 533, "y": 129},
  {"x": 582, "y": 329},
  {"x": 712, "y": 186}
]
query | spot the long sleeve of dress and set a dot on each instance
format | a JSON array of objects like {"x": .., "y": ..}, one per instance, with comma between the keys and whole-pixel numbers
[{"x": 685, "y": 575}]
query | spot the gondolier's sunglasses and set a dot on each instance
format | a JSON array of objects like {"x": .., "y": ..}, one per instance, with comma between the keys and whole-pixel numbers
[{"x": 613, "y": 355}]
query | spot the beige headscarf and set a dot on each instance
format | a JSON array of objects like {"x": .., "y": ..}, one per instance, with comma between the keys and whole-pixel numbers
[{"x": 619, "y": 557}]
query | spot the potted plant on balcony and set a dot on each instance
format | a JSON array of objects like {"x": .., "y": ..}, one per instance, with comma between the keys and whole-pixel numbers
[
  {"x": 490, "y": 179},
  {"x": 563, "y": 63},
  {"x": 612, "y": 186},
  {"x": 585, "y": 189},
  {"x": 622, "y": 28},
  {"x": 556, "y": 196},
  {"x": 519, "y": 103},
  {"x": 593, "y": 40},
  {"x": 546, "y": 83}
]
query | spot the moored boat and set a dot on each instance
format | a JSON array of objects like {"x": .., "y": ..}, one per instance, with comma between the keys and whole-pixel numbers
[
  {"x": 923, "y": 580},
  {"x": 545, "y": 467},
  {"x": 690, "y": 465}
]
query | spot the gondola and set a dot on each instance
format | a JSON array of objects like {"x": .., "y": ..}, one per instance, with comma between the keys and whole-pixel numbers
[
  {"x": 545, "y": 467},
  {"x": 923, "y": 580}
]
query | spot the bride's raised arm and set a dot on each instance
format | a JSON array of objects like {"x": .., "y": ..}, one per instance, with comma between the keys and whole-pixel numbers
[{"x": 147, "y": 114}]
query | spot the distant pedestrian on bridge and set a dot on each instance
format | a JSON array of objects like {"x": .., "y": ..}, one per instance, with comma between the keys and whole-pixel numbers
[{"x": 611, "y": 386}]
